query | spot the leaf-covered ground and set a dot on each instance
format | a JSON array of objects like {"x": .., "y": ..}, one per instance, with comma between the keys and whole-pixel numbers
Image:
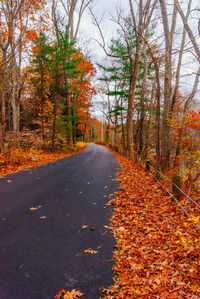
[
  {"x": 157, "y": 254},
  {"x": 20, "y": 159}
]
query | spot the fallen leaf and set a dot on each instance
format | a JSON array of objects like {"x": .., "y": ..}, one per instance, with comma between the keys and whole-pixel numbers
[
  {"x": 84, "y": 226},
  {"x": 33, "y": 209},
  {"x": 89, "y": 250},
  {"x": 73, "y": 294},
  {"x": 9, "y": 181},
  {"x": 43, "y": 217}
]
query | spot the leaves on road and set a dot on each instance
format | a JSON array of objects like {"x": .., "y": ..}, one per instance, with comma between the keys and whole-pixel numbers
[
  {"x": 74, "y": 294},
  {"x": 84, "y": 226},
  {"x": 35, "y": 208},
  {"x": 43, "y": 217}
]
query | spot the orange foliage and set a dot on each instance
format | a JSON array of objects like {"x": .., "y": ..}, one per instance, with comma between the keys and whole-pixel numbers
[
  {"x": 157, "y": 252},
  {"x": 19, "y": 159},
  {"x": 62, "y": 294}
]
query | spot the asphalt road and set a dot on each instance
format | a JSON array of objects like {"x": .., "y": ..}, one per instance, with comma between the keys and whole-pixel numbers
[{"x": 39, "y": 256}]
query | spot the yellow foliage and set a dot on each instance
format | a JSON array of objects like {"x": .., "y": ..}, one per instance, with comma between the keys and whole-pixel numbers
[{"x": 81, "y": 144}]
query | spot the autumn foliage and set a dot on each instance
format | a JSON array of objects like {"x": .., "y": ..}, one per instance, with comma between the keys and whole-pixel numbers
[{"x": 157, "y": 250}]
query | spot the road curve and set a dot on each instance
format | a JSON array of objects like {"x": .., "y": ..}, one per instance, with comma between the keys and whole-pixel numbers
[{"x": 48, "y": 216}]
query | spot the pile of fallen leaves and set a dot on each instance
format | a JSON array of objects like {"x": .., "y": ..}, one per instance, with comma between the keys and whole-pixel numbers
[
  {"x": 158, "y": 249},
  {"x": 20, "y": 159}
]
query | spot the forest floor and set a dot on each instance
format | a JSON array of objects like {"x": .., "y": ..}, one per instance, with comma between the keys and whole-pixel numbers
[
  {"x": 20, "y": 159},
  {"x": 157, "y": 254}
]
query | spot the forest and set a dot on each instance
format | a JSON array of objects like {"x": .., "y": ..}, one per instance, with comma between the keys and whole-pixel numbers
[
  {"x": 141, "y": 97},
  {"x": 117, "y": 81}
]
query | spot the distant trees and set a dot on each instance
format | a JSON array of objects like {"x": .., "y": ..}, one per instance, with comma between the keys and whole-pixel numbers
[
  {"x": 60, "y": 81},
  {"x": 15, "y": 34},
  {"x": 51, "y": 73},
  {"x": 153, "y": 77}
]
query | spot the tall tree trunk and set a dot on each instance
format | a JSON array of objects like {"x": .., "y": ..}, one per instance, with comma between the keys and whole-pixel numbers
[
  {"x": 143, "y": 93},
  {"x": 148, "y": 131},
  {"x": 74, "y": 121},
  {"x": 54, "y": 123},
  {"x": 165, "y": 150},
  {"x": 123, "y": 130},
  {"x": 131, "y": 98},
  {"x": 157, "y": 111},
  {"x": 69, "y": 122},
  {"x": 86, "y": 125}
]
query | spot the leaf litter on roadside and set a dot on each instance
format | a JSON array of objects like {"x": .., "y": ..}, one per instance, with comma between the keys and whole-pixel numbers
[{"x": 157, "y": 252}]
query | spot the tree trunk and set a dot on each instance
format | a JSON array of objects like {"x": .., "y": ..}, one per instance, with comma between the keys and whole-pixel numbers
[
  {"x": 86, "y": 125},
  {"x": 69, "y": 122},
  {"x": 54, "y": 124},
  {"x": 148, "y": 132},
  {"x": 165, "y": 150},
  {"x": 143, "y": 93},
  {"x": 131, "y": 98}
]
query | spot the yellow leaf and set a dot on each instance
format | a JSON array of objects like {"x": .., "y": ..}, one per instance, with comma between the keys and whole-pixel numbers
[{"x": 9, "y": 181}]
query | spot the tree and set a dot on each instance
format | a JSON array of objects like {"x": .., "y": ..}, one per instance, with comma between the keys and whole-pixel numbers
[
  {"x": 15, "y": 18},
  {"x": 39, "y": 66}
]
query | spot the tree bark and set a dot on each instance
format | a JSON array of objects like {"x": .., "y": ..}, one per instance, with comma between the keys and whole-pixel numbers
[
  {"x": 165, "y": 150},
  {"x": 143, "y": 93}
]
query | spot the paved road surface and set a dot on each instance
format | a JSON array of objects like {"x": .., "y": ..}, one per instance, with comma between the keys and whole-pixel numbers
[{"x": 38, "y": 256}]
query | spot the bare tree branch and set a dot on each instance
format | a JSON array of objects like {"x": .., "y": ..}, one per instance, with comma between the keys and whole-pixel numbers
[{"x": 189, "y": 31}]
